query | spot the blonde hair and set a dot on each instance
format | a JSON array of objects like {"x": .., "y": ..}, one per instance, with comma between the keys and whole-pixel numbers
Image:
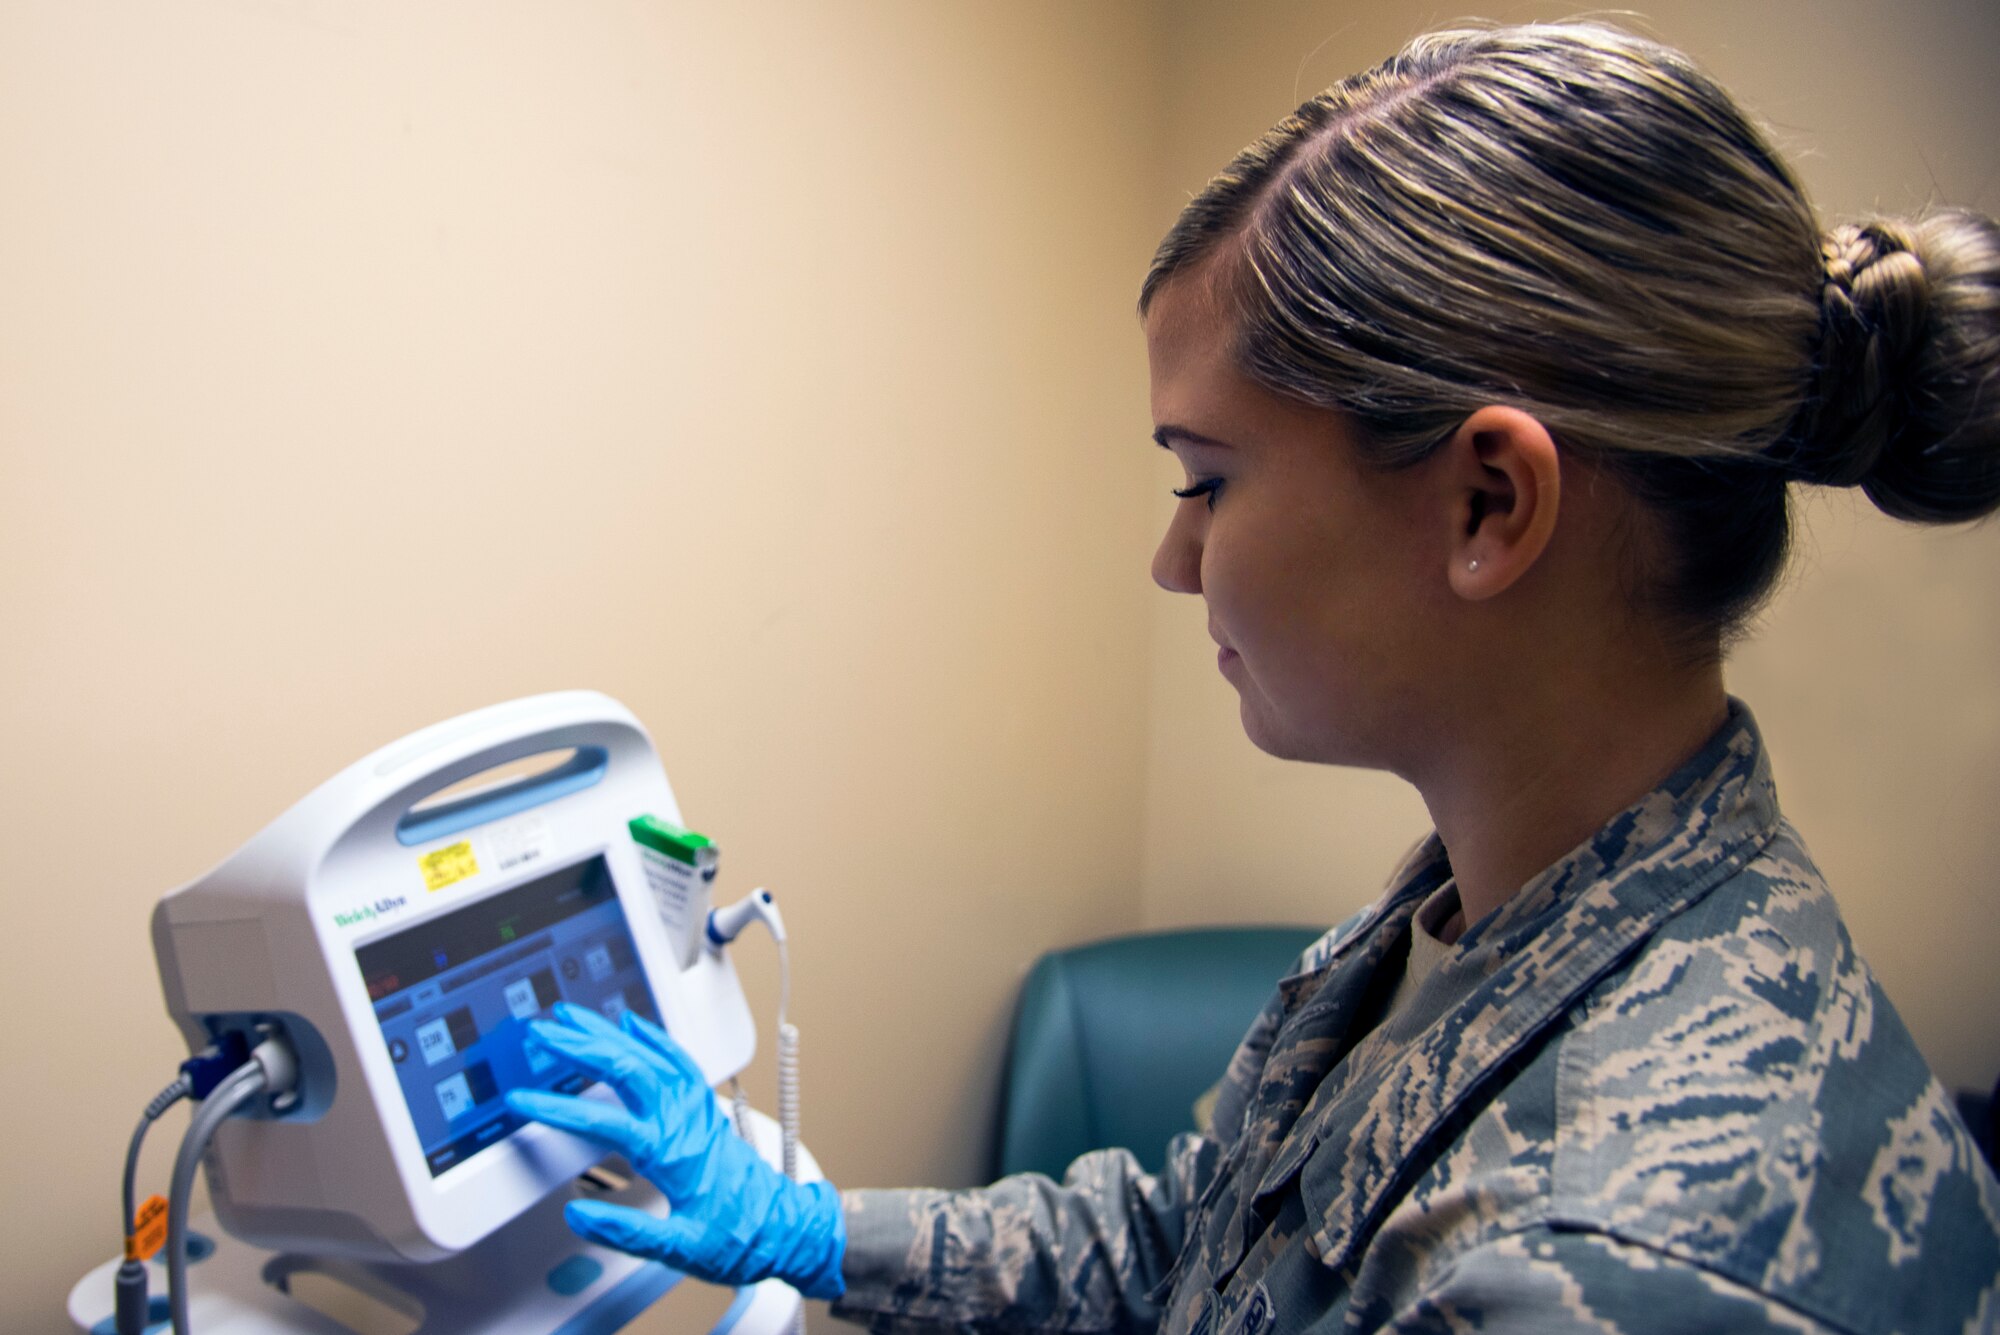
[{"x": 1578, "y": 222}]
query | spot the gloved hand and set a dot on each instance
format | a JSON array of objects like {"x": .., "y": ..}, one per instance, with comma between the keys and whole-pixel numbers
[{"x": 735, "y": 1219}]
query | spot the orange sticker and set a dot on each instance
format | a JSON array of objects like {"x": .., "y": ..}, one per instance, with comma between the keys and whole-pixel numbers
[{"x": 149, "y": 1230}]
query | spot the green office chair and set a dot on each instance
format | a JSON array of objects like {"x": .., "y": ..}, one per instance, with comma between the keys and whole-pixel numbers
[{"x": 1115, "y": 1041}]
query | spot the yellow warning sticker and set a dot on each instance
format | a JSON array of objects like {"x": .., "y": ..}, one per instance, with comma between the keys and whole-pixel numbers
[
  {"x": 447, "y": 866},
  {"x": 149, "y": 1230}
]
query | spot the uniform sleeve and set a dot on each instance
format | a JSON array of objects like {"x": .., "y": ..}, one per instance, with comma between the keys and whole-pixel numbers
[
  {"x": 1558, "y": 1282},
  {"x": 1027, "y": 1253}
]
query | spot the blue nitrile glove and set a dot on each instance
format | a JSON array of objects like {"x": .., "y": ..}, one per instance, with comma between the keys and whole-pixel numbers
[{"x": 735, "y": 1219}]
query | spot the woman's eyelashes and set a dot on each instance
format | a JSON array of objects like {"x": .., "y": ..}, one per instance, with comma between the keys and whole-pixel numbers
[{"x": 1205, "y": 487}]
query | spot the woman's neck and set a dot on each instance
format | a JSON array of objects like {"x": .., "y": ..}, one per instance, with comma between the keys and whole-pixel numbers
[{"x": 1530, "y": 780}]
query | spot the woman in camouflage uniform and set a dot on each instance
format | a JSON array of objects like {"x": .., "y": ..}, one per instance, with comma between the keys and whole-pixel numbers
[{"x": 1490, "y": 369}]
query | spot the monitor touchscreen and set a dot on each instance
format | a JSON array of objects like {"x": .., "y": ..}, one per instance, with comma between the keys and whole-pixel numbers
[{"x": 454, "y": 994}]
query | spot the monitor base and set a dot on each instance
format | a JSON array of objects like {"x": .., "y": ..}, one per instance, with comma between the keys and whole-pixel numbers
[{"x": 533, "y": 1277}]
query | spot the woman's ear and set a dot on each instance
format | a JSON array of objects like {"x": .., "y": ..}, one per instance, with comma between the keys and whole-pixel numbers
[{"x": 1505, "y": 480}]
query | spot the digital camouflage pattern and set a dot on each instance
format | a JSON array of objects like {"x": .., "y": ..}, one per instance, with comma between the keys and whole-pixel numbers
[{"x": 1657, "y": 1091}]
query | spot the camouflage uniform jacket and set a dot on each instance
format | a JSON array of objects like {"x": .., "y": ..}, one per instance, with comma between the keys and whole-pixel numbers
[{"x": 1656, "y": 1091}]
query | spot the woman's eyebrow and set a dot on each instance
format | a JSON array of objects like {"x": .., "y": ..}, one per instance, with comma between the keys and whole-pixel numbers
[{"x": 1167, "y": 436}]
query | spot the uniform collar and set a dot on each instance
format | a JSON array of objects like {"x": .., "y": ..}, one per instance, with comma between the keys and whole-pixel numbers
[
  {"x": 1423, "y": 870},
  {"x": 1515, "y": 973}
]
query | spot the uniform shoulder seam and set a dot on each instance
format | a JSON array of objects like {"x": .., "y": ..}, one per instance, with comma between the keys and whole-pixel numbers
[{"x": 1556, "y": 1223}]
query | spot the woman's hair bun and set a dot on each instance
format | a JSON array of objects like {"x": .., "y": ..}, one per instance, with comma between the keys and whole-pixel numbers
[{"x": 1906, "y": 403}]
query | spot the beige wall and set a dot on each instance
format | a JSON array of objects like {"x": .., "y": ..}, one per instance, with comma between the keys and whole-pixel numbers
[
  {"x": 771, "y": 368},
  {"x": 1877, "y": 677}
]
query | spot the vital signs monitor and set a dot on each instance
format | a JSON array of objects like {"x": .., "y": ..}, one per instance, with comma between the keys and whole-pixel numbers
[
  {"x": 402, "y": 942},
  {"x": 395, "y": 933}
]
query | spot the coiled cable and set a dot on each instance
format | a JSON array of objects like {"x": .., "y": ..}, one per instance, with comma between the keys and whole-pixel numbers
[
  {"x": 788, "y": 1068},
  {"x": 788, "y": 1090}
]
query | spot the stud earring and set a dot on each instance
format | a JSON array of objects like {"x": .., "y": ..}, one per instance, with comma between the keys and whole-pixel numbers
[{"x": 1472, "y": 566}]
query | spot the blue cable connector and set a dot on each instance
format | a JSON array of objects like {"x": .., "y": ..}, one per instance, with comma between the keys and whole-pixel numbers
[{"x": 214, "y": 1063}]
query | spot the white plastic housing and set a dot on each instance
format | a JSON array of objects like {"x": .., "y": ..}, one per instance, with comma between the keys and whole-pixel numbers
[{"x": 272, "y": 932}]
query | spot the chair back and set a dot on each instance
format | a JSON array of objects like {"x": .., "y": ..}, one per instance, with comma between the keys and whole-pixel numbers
[{"x": 1114, "y": 1041}]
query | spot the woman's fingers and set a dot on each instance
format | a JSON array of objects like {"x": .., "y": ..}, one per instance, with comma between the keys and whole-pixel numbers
[
  {"x": 584, "y": 1019},
  {"x": 587, "y": 1021},
  {"x": 600, "y": 1124},
  {"x": 614, "y": 1059},
  {"x": 660, "y": 1044},
  {"x": 681, "y": 1243}
]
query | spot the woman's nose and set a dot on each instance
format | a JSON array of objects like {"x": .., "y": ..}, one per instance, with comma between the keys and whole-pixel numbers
[{"x": 1177, "y": 563}]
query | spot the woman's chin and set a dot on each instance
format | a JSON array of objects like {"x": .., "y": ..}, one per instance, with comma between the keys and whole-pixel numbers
[{"x": 1267, "y": 735}]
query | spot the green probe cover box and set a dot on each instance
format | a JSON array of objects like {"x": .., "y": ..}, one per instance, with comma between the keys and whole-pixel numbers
[{"x": 680, "y": 866}]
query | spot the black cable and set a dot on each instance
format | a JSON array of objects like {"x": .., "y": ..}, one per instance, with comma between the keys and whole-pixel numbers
[
  {"x": 162, "y": 1101},
  {"x": 133, "y": 1303}
]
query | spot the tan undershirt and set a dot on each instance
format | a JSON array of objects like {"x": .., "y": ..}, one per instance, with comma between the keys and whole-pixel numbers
[{"x": 1434, "y": 930}]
